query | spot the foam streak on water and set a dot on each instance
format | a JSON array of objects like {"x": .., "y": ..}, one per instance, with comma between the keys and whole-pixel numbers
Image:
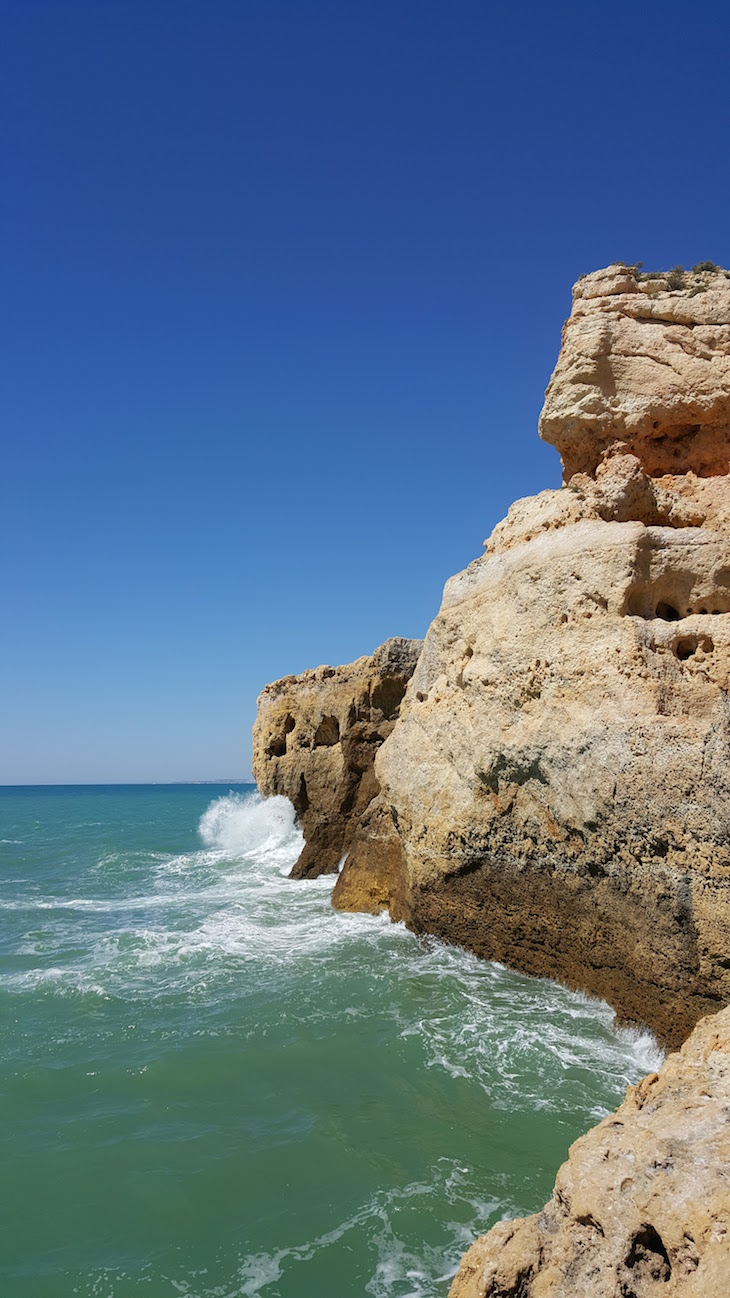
[{"x": 214, "y": 1084}]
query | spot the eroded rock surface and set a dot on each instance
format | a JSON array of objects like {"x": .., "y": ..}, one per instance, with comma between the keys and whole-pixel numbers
[
  {"x": 555, "y": 793},
  {"x": 315, "y": 739},
  {"x": 641, "y": 1209},
  {"x": 558, "y": 782},
  {"x": 644, "y": 367}
]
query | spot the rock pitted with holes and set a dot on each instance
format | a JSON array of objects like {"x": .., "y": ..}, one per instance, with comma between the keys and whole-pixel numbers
[
  {"x": 315, "y": 739},
  {"x": 644, "y": 367},
  {"x": 556, "y": 793},
  {"x": 641, "y": 1209}
]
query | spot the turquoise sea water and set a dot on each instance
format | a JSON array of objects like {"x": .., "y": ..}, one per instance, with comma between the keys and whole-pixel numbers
[{"x": 211, "y": 1084}]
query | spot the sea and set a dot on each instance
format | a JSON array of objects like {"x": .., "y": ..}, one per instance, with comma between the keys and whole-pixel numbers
[{"x": 214, "y": 1085}]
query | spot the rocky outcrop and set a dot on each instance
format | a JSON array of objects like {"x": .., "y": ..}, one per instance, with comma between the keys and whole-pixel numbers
[
  {"x": 315, "y": 739},
  {"x": 644, "y": 367},
  {"x": 556, "y": 793},
  {"x": 375, "y": 877},
  {"x": 642, "y": 1206}
]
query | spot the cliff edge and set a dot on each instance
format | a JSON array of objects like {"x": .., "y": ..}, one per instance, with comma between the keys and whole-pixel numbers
[
  {"x": 556, "y": 791},
  {"x": 548, "y": 783},
  {"x": 641, "y": 1207}
]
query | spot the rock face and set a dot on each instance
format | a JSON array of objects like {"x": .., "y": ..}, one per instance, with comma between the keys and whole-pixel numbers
[
  {"x": 644, "y": 367},
  {"x": 556, "y": 793},
  {"x": 315, "y": 739},
  {"x": 642, "y": 1206}
]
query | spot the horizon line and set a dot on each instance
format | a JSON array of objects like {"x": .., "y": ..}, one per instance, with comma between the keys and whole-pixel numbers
[{"x": 103, "y": 784}]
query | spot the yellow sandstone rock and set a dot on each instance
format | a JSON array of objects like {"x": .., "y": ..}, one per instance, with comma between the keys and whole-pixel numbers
[
  {"x": 315, "y": 739},
  {"x": 642, "y": 1206},
  {"x": 555, "y": 791},
  {"x": 559, "y": 777},
  {"x": 644, "y": 367}
]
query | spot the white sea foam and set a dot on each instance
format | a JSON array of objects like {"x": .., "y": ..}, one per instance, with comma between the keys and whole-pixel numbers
[
  {"x": 222, "y": 918},
  {"x": 246, "y": 825},
  {"x": 222, "y": 923},
  {"x": 529, "y": 1042},
  {"x": 403, "y": 1267}
]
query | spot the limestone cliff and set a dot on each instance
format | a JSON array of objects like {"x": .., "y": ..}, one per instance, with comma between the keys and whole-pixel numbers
[
  {"x": 641, "y": 1207},
  {"x": 315, "y": 739},
  {"x": 556, "y": 791},
  {"x": 645, "y": 367},
  {"x": 558, "y": 784}
]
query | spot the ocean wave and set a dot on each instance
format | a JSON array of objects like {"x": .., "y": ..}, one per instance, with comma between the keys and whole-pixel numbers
[
  {"x": 223, "y": 918},
  {"x": 216, "y": 944},
  {"x": 247, "y": 824},
  {"x": 385, "y": 1232}
]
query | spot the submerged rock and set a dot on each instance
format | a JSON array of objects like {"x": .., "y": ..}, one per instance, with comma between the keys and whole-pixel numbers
[
  {"x": 315, "y": 740},
  {"x": 641, "y": 1207}
]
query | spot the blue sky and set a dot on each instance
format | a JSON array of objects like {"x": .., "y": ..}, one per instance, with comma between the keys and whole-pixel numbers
[{"x": 282, "y": 288}]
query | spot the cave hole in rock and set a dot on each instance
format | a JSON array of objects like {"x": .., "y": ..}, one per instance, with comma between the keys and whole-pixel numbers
[
  {"x": 387, "y": 696},
  {"x": 667, "y": 612},
  {"x": 647, "y": 1257},
  {"x": 686, "y": 647},
  {"x": 689, "y": 644},
  {"x": 327, "y": 732},
  {"x": 277, "y": 747}
]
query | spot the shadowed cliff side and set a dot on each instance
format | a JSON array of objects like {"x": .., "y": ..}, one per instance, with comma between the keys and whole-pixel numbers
[
  {"x": 642, "y": 1205},
  {"x": 558, "y": 784},
  {"x": 315, "y": 740}
]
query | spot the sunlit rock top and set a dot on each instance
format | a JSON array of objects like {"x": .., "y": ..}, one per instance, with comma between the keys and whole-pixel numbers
[{"x": 644, "y": 368}]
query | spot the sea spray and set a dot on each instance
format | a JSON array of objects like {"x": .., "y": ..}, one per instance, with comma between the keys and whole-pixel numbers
[{"x": 244, "y": 825}]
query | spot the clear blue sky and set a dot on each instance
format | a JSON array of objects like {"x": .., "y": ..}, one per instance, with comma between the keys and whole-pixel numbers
[{"x": 282, "y": 288}]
